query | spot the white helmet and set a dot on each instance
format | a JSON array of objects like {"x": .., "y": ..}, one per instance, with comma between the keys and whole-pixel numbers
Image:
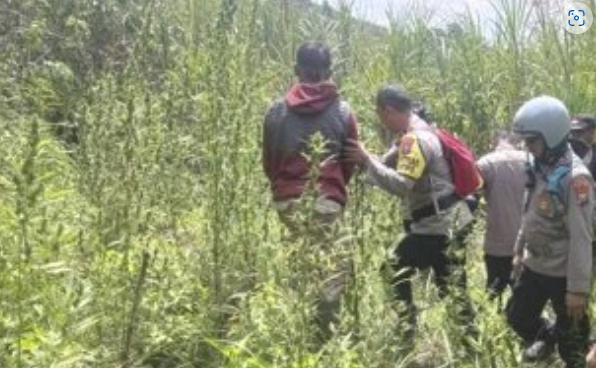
[{"x": 545, "y": 116}]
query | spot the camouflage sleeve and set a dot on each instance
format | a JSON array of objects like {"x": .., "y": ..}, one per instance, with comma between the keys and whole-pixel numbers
[{"x": 580, "y": 209}]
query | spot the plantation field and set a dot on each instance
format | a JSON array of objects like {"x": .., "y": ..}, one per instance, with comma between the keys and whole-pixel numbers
[{"x": 135, "y": 220}]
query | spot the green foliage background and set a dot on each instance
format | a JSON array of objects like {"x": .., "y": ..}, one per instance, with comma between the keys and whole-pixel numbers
[{"x": 134, "y": 221}]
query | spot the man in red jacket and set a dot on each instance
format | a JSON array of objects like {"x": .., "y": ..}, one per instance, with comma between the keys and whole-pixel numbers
[{"x": 312, "y": 107}]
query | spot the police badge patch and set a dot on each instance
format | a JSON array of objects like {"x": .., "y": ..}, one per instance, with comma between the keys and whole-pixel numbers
[
  {"x": 406, "y": 144},
  {"x": 411, "y": 161},
  {"x": 544, "y": 204},
  {"x": 581, "y": 188}
]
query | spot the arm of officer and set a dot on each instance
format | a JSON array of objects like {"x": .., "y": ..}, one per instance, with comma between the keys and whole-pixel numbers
[
  {"x": 390, "y": 157},
  {"x": 485, "y": 167},
  {"x": 518, "y": 253},
  {"x": 579, "y": 222},
  {"x": 410, "y": 167},
  {"x": 387, "y": 178},
  {"x": 520, "y": 241}
]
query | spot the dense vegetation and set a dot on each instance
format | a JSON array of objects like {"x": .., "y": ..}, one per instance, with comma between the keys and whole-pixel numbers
[{"x": 134, "y": 221}]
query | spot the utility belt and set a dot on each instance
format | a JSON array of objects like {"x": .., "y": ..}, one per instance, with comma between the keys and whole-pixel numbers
[{"x": 442, "y": 204}]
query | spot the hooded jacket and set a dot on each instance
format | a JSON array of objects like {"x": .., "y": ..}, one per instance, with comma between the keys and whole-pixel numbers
[{"x": 289, "y": 126}]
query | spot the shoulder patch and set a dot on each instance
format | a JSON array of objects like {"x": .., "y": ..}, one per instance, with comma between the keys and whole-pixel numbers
[
  {"x": 411, "y": 161},
  {"x": 581, "y": 187},
  {"x": 406, "y": 143}
]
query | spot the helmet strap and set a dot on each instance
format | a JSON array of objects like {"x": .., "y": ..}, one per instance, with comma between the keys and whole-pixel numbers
[{"x": 553, "y": 155}]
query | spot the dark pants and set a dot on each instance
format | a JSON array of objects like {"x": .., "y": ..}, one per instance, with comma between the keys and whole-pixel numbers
[
  {"x": 498, "y": 274},
  {"x": 530, "y": 295},
  {"x": 445, "y": 258}
]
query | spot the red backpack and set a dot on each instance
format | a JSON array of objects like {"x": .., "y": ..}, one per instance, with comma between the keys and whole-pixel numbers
[{"x": 462, "y": 164}]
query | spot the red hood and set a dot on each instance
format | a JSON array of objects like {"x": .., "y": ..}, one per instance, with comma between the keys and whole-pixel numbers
[{"x": 304, "y": 98}]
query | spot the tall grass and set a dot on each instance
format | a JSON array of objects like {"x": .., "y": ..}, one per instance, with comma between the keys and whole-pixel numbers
[{"x": 136, "y": 229}]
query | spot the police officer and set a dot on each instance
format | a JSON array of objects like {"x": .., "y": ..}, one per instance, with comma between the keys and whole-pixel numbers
[
  {"x": 422, "y": 178},
  {"x": 504, "y": 174},
  {"x": 582, "y": 140},
  {"x": 553, "y": 253}
]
